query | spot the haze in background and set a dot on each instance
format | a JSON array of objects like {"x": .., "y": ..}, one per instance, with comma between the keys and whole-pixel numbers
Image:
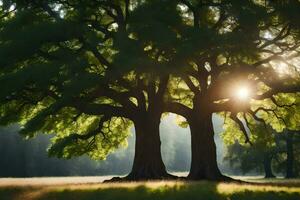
[{"x": 28, "y": 158}]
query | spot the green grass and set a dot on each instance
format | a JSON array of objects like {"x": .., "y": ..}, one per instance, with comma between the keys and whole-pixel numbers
[{"x": 156, "y": 191}]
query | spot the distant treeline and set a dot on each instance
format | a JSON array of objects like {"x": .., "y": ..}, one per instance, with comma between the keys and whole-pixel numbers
[
  {"x": 28, "y": 158},
  {"x": 273, "y": 154}
]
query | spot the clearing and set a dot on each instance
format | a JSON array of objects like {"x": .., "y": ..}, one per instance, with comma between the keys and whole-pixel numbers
[{"x": 90, "y": 188}]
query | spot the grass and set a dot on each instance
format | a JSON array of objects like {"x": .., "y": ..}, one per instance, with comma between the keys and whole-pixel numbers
[{"x": 287, "y": 190}]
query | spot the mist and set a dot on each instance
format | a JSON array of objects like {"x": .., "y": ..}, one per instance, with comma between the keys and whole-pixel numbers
[{"x": 28, "y": 158}]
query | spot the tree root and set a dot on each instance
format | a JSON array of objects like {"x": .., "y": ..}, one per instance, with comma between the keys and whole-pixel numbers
[{"x": 133, "y": 177}]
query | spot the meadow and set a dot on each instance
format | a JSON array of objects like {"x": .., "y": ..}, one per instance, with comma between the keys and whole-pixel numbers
[{"x": 88, "y": 189}]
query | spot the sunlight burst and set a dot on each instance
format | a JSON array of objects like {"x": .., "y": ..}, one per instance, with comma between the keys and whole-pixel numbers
[{"x": 243, "y": 93}]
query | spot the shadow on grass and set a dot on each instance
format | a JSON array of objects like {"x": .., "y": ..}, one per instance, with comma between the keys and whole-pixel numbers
[
  {"x": 184, "y": 191},
  {"x": 9, "y": 193},
  {"x": 199, "y": 191}
]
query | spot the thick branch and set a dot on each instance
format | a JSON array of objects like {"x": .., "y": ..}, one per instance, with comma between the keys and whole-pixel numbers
[
  {"x": 178, "y": 108},
  {"x": 190, "y": 84}
]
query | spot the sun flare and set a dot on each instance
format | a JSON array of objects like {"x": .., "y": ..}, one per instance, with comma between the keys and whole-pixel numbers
[{"x": 243, "y": 93}]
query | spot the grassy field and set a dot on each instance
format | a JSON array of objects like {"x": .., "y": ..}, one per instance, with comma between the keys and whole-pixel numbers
[{"x": 172, "y": 190}]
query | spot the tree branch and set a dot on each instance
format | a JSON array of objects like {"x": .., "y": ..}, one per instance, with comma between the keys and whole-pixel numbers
[
  {"x": 242, "y": 128},
  {"x": 178, "y": 108}
]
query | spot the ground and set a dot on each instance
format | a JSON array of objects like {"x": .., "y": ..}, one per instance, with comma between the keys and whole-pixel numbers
[{"x": 89, "y": 188}]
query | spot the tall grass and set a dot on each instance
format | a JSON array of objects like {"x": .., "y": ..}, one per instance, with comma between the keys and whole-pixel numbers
[{"x": 154, "y": 191}]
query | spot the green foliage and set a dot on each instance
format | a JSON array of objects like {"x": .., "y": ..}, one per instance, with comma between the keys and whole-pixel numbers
[
  {"x": 231, "y": 132},
  {"x": 267, "y": 146},
  {"x": 181, "y": 121},
  {"x": 46, "y": 70},
  {"x": 112, "y": 136},
  {"x": 27, "y": 32},
  {"x": 178, "y": 91},
  {"x": 281, "y": 116}
]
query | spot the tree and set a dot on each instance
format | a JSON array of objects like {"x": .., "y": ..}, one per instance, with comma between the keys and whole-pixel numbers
[
  {"x": 231, "y": 45},
  {"x": 259, "y": 156},
  {"x": 94, "y": 82},
  {"x": 290, "y": 163},
  {"x": 270, "y": 151}
]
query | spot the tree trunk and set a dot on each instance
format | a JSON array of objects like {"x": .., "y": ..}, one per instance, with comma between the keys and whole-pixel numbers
[
  {"x": 290, "y": 156},
  {"x": 148, "y": 163},
  {"x": 204, "y": 158},
  {"x": 268, "y": 166}
]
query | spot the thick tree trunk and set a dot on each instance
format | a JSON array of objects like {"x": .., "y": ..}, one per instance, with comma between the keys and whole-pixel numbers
[
  {"x": 204, "y": 158},
  {"x": 268, "y": 166},
  {"x": 148, "y": 163},
  {"x": 290, "y": 156}
]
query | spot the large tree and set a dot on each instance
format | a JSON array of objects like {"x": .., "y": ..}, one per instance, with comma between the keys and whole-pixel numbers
[
  {"x": 243, "y": 58},
  {"x": 82, "y": 70}
]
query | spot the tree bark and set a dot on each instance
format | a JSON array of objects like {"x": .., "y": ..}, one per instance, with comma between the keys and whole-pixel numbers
[
  {"x": 204, "y": 159},
  {"x": 148, "y": 163},
  {"x": 268, "y": 166},
  {"x": 290, "y": 156}
]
